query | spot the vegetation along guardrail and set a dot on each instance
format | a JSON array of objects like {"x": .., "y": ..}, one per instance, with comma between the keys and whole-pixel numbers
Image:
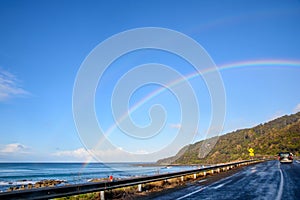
[{"x": 75, "y": 189}]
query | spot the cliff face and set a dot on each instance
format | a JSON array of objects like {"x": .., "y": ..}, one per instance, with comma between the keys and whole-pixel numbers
[{"x": 281, "y": 134}]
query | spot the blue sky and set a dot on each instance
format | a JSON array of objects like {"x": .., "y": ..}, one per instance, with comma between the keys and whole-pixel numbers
[{"x": 255, "y": 45}]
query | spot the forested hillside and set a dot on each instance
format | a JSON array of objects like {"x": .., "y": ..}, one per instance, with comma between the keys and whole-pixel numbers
[{"x": 281, "y": 134}]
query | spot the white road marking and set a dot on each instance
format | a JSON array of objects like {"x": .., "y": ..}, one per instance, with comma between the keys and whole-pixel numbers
[
  {"x": 279, "y": 194},
  {"x": 190, "y": 194},
  {"x": 201, "y": 181},
  {"x": 297, "y": 161},
  {"x": 221, "y": 185},
  {"x": 196, "y": 191}
]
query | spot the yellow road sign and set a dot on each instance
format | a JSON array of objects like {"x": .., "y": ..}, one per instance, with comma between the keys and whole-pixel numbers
[
  {"x": 251, "y": 150},
  {"x": 251, "y": 154}
]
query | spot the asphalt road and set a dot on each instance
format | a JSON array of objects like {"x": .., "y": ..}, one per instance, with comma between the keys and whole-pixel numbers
[{"x": 268, "y": 180}]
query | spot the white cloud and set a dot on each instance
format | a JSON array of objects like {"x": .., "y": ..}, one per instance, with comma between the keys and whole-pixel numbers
[
  {"x": 9, "y": 86},
  {"x": 109, "y": 155},
  {"x": 297, "y": 108},
  {"x": 20, "y": 152},
  {"x": 80, "y": 153},
  {"x": 142, "y": 151},
  {"x": 15, "y": 148},
  {"x": 176, "y": 126}
]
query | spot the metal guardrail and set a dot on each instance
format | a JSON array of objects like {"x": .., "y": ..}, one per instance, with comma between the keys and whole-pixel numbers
[{"x": 75, "y": 189}]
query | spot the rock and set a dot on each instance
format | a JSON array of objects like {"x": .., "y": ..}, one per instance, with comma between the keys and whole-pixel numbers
[
  {"x": 15, "y": 188},
  {"x": 37, "y": 184},
  {"x": 23, "y": 187}
]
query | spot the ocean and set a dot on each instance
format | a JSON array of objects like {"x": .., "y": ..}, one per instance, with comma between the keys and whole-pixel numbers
[{"x": 17, "y": 174}]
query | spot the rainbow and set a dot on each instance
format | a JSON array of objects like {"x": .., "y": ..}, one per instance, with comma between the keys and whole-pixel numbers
[
  {"x": 234, "y": 65},
  {"x": 243, "y": 64}
]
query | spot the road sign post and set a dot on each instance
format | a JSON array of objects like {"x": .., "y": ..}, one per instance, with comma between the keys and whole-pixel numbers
[{"x": 251, "y": 152}]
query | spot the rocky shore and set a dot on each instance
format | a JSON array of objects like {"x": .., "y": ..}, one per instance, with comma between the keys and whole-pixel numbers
[
  {"x": 39, "y": 184},
  {"x": 51, "y": 183}
]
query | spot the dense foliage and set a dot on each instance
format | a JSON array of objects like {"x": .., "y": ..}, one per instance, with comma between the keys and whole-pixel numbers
[{"x": 281, "y": 134}]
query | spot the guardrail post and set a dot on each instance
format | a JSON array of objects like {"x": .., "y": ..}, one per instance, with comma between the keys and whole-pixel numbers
[
  {"x": 212, "y": 171},
  {"x": 140, "y": 187},
  {"x": 182, "y": 178},
  {"x": 102, "y": 195},
  {"x": 218, "y": 170},
  {"x": 195, "y": 176},
  {"x": 204, "y": 173}
]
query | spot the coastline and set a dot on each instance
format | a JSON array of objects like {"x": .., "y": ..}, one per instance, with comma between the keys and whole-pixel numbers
[{"x": 22, "y": 175}]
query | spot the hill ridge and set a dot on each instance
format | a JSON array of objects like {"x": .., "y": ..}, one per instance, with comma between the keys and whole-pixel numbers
[{"x": 267, "y": 139}]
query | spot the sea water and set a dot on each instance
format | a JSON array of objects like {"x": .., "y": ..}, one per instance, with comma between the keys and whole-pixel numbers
[{"x": 16, "y": 174}]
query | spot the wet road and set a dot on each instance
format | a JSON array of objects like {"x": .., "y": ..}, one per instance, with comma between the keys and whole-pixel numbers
[{"x": 268, "y": 180}]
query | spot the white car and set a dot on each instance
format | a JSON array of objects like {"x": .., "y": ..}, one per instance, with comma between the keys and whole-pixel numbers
[{"x": 285, "y": 157}]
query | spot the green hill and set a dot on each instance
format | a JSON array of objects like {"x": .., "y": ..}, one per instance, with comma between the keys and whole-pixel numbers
[{"x": 281, "y": 134}]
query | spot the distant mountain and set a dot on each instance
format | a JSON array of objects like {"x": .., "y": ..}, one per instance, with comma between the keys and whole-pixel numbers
[{"x": 281, "y": 134}]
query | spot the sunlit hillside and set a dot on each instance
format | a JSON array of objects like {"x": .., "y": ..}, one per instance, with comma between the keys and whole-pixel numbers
[{"x": 281, "y": 134}]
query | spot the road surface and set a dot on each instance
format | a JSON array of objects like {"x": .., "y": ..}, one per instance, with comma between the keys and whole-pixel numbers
[{"x": 267, "y": 180}]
